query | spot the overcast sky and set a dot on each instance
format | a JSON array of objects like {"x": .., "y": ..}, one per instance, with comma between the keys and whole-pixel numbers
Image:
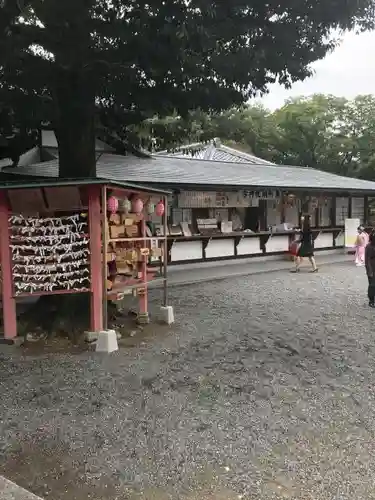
[{"x": 348, "y": 71}]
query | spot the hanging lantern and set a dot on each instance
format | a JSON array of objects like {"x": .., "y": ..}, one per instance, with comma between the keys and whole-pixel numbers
[
  {"x": 137, "y": 205},
  {"x": 160, "y": 209},
  {"x": 112, "y": 204},
  {"x": 124, "y": 205},
  {"x": 150, "y": 208}
]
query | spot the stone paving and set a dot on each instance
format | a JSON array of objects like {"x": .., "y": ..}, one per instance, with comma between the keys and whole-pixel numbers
[
  {"x": 11, "y": 491},
  {"x": 264, "y": 389}
]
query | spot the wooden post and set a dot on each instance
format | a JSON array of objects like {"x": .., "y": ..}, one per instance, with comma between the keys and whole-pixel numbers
[
  {"x": 263, "y": 208},
  {"x": 165, "y": 252},
  {"x": 104, "y": 304},
  {"x": 143, "y": 316},
  {"x": 333, "y": 211},
  {"x": 96, "y": 299},
  {"x": 9, "y": 303},
  {"x": 282, "y": 211}
]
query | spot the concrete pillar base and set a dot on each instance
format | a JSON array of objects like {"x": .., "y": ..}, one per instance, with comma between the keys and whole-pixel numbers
[
  {"x": 107, "y": 341},
  {"x": 91, "y": 336},
  {"x": 143, "y": 318},
  {"x": 17, "y": 341},
  {"x": 167, "y": 314}
]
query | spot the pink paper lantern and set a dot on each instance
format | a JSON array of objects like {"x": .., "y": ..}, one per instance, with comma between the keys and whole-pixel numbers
[
  {"x": 137, "y": 205},
  {"x": 160, "y": 209},
  {"x": 112, "y": 204}
]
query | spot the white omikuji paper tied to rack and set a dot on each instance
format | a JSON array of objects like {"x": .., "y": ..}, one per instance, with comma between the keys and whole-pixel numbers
[{"x": 49, "y": 253}]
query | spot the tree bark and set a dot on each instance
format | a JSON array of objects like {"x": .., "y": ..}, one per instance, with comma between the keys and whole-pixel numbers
[{"x": 75, "y": 128}]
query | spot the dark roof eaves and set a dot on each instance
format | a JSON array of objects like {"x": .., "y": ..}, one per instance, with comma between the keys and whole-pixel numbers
[
  {"x": 41, "y": 182},
  {"x": 235, "y": 187},
  {"x": 192, "y": 186}
]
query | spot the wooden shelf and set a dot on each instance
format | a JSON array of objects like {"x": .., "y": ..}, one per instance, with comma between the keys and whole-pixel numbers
[
  {"x": 124, "y": 240},
  {"x": 119, "y": 289},
  {"x": 242, "y": 234}
]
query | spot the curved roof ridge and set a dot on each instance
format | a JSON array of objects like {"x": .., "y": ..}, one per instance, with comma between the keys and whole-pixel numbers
[{"x": 216, "y": 151}]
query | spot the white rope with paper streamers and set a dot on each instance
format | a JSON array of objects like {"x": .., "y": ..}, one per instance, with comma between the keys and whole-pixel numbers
[
  {"x": 23, "y": 287},
  {"x": 45, "y": 230},
  {"x": 51, "y": 277},
  {"x": 72, "y": 237},
  {"x": 43, "y": 249},
  {"x": 45, "y": 221},
  {"x": 49, "y": 254},
  {"x": 50, "y": 259},
  {"x": 50, "y": 268}
]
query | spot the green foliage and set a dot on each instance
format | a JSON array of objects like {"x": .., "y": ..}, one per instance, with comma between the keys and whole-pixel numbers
[
  {"x": 75, "y": 63},
  {"x": 325, "y": 132},
  {"x": 307, "y": 127},
  {"x": 328, "y": 133}
]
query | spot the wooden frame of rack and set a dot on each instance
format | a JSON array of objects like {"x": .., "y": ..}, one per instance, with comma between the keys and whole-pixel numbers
[
  {"x": 139, "y": 247},
  {"x": 42, "y": 198}
]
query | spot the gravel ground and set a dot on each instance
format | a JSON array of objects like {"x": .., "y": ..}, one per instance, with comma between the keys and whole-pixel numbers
[{"x": 264, "y": 389}]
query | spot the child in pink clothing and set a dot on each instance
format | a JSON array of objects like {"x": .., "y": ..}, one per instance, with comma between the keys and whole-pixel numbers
[{"x": 361, "y": 243}]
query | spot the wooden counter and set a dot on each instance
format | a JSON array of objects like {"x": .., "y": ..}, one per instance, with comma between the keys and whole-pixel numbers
[{"x": 196, "y": 248}]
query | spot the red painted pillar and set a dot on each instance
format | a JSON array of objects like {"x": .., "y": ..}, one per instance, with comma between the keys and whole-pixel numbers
[
  {"x": 143, "y": 316},
  {"x": 9, "y": 303},
  {"x": 96, "y": 303}
]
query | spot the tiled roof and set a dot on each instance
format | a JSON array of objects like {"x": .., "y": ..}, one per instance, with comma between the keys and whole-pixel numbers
[
  {"x": 215, "y": 151},
  {"x": 49, "y": 146},
  {"x": 49, "y": 141},
  {"x": 28, "y": 158},
  {"x": 5, "y": 162},
  {"x": 169, "y": 171}
]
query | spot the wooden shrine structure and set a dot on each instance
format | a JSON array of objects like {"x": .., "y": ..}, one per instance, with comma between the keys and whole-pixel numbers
[{"x": 74, "y": 236}]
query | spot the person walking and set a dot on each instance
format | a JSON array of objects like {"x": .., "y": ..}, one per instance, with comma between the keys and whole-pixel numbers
[
  {"x": 370, "y": 269},
  {"x": 306, "y": 248},
  {"x": 360, "y": 246}
]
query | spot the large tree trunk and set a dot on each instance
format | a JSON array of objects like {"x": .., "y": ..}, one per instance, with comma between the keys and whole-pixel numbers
[
  {"x": 75, "y": 133},
  {"x": 75, "y": 127}
]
